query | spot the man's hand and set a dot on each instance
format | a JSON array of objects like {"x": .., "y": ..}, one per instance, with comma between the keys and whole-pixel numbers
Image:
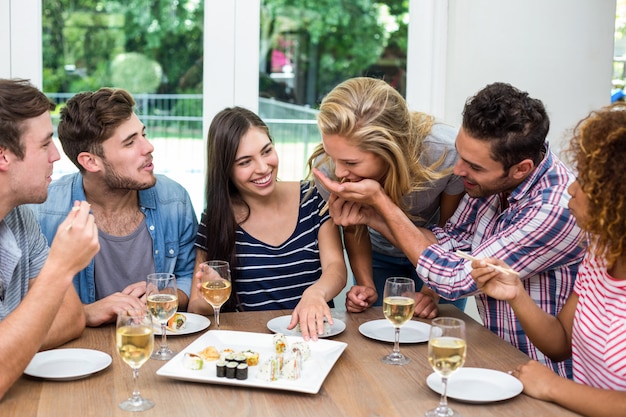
[{"x": 106, "y": 309}]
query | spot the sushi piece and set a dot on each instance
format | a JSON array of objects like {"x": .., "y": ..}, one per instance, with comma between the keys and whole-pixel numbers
[
  {"x": 280, "y": 343},
  {"x": 242, "y": 371},
  {"x": 303, "y": 348},
  {"x": 252, "y": 358},
  {"x": 326, "y": 332},
  {"x": 269, "y": 370},
  {"x": 220, "y": 369},
  {"x": 293, "y": 368},
  {"x": 177, "y": 322},
  {"x": 231, "y": 369},
  {"x": 192, "y": 361}
]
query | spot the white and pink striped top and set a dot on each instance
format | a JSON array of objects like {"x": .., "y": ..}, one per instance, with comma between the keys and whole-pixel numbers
[{"x": 599, "y": 329}]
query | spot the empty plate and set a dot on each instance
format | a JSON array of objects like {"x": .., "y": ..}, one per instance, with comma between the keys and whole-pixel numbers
[
  {"x": 411, "y": 332},
  {"x": 477, "y": 385},
  {"x": 67, "y": 364}
]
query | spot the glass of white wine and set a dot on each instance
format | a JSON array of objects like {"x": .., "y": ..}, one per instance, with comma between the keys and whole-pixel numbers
[
  {"x": 216, "y": 285},
  {"x": 446, "y": 354},
  {"x": 134, "y": 338},
  {"x": 398, "y": 306},
  {"x": 162, "y": 301}
]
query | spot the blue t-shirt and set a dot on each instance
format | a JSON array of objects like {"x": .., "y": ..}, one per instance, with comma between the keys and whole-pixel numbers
[{"x": 274, "y": 277}]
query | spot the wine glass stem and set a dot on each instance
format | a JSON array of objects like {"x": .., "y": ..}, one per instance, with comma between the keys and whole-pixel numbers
[
  {"x": 443, "y": 402},
  {"x": 136, "y": 395},
  {"x": 216, "y": 311},
  {"x": 163, "y": 336},
  {"x": 396, "y": 341}
]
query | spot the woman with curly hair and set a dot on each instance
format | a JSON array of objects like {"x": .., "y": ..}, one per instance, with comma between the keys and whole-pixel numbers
[
  {"x": 591, "y": 327},
  {"x": 368, "y": 132}
]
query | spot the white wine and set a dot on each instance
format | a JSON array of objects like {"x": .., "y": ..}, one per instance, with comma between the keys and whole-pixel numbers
[
  {"x": 135, "y": 344},
  {"x": 162, "y": 306},
  {"x": 398, "y": 310},
  {"x": 216, "y": 292},
  {"x": 446, "y": 354}
]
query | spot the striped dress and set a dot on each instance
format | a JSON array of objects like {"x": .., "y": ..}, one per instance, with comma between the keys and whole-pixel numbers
[
  {"x": 274, "y": 277},
  {"x": 599, "y": 330}
]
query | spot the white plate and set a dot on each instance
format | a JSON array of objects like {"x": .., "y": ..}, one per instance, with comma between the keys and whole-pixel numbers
[
  {"x": 411, "y": 332},
  {"x": 194, "y": 323},
  {"x": 477, "y": 385},
  {"x": 324, "y": 354},
  {"x": 279, "y": 325},
  {"x": 67, "y": 364}
]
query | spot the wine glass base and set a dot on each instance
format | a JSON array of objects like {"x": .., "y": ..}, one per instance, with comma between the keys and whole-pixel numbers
[
  {"x": 163, "y": 354},
  {"x": 442, "y": 412},
  {"x": 140, "y": 404},
  {"x": 395, "y": 359}
]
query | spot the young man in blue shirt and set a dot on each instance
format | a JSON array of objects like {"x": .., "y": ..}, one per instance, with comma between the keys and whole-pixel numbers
[{"x": 146, "y": 222}]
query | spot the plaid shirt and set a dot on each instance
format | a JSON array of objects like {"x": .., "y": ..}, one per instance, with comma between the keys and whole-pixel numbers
[{"x": 535, "y": 235}]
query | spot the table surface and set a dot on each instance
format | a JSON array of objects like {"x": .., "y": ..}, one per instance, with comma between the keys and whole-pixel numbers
[{"x": 358, "y": 385}]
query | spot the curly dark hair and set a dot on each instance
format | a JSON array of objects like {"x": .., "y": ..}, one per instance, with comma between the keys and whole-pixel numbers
[
  {"x": 515, "y": 124},
  {"x": 597, "y": 150}
]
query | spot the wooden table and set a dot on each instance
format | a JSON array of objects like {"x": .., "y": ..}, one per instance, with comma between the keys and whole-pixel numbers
[{"x": 358, "y": 385}]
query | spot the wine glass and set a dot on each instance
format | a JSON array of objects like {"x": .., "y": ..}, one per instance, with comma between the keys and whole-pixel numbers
[
  {"x": 216, "y": 285},
  {"x": 162, "y": 301},
  {"x": 134, "y": 338},
  {"x": 446, "y": 354},
  {"x": 398, "y": 306}
]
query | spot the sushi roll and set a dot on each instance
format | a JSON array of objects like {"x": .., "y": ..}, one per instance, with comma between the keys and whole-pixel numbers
[
  {"x": 220, "y": 369},
  {"x": 269, "y": 370},
  {"x": 293, "y": 367},
  {"x": 177, "y": 322},
  {"x": 252, "y": 358},
  {"x": 231, "y": 369},
  {"x": 242, "y": 371},
  {"x": 192, "y": 361},
  {"x": 303, "y": 348},
  {"x": 280, "y": 343}
]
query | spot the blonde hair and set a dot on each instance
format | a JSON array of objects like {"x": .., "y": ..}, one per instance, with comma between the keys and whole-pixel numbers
[{"x": 373, "y": 116}]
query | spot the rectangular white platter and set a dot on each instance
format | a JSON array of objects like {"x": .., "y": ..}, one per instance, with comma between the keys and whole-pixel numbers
[{"x": 324, "y": 354}]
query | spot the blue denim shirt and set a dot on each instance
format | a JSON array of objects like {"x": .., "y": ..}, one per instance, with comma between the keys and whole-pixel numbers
[{"x": 170, "y": 218}]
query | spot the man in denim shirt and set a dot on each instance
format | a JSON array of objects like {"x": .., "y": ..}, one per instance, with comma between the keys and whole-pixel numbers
[{"x": 146, "y": 222}]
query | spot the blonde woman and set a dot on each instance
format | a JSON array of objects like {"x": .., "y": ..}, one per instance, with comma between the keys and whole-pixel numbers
[{"x": 368, "y": 132}]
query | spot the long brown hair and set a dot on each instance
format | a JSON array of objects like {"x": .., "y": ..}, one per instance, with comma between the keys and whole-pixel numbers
[{"x": 224, "y": 137}]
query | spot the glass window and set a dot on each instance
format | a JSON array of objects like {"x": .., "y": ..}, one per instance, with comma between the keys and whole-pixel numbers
[
  {"x": 152, "y": 48},
  {"x": 306, "y": 48}
]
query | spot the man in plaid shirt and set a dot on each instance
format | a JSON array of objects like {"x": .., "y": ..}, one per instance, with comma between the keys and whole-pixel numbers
[{"x": 515, "y": 209}]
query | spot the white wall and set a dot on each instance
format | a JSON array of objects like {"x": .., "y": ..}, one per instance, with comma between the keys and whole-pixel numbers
[
  {"x": 560, "y": 51},
  {"x": 20, "y": 40}
]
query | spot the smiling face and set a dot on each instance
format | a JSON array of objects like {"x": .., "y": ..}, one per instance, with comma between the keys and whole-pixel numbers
[
  {"x": 127, "y": 162},
  {"x": 482, "y": 175},
  {"x": 351, "y": 163},
  {"x": 30, "y": 176},
  {"x": 256, "y": 164}
]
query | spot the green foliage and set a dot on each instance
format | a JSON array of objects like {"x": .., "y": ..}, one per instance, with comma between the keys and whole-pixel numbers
[
  {"x": 338, "y": 39},
  {"x": 135, "y": 72}
]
